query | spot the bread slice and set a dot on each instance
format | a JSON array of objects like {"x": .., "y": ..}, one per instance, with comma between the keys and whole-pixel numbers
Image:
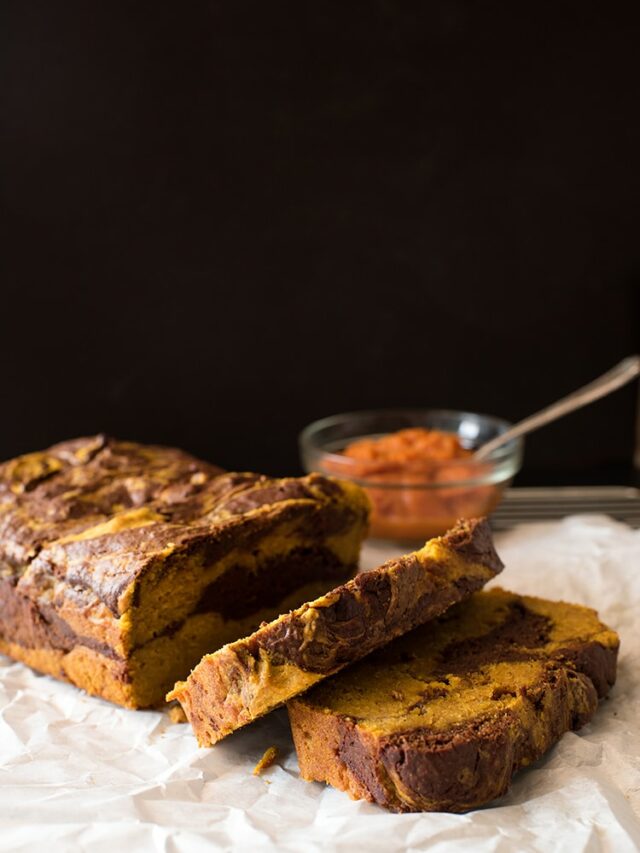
[
  {"x": 441, "y": 719},
  {"x": 251, "y": 677}
]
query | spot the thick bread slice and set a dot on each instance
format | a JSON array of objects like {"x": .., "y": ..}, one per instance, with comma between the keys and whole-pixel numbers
[
  {"x": 442, "y": 718},
  {"x": 250, "y": 677}
]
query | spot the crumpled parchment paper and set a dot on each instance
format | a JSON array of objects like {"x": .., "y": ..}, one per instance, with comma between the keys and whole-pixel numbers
[{"x": 77, "y": 773}]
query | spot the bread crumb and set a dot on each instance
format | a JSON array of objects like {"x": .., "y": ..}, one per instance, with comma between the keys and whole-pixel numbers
[
  {"x": 266, "y": 761},
  {"x": 176, "y": 714}
]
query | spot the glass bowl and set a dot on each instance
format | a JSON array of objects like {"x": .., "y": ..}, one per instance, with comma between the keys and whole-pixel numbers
[{"x": 408, "y": 504}]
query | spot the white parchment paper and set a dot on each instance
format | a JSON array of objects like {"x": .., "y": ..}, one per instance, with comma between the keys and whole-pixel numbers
[{"x": 77, "y": 773}]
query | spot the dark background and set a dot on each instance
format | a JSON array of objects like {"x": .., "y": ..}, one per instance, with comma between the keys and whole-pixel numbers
[{"x": 224, "y": 220}]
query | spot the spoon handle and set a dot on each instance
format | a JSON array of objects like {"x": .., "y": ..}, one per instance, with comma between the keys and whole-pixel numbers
[{"x": 618, "y": 376}]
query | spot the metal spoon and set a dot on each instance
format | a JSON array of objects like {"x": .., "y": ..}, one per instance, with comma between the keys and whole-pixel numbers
[{"x": 618, "y": 376}]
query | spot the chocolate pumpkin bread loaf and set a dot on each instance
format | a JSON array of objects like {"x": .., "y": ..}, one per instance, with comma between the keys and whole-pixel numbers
[
  {"x": 122, "y": 564},
  {"x": 440, "y": 719},
  {"x": 251, "y": 677}
]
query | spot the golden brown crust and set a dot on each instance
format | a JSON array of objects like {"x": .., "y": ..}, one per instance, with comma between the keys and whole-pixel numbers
[
  {"x": 426, "y": 772},
  {"x": 440, "y": 719},
  {"x": 96, "y": 513},
  {"x": 83, "y": 667},
  {"x": 126, "y": 680},
  {"x": 250, "y": 677},
  {"x": 115, "y": 547}
]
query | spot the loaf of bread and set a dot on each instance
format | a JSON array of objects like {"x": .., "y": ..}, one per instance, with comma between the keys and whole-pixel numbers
[
  {"x": 440, "y": 719},
  {"x": 250, "y": 677},
  {"x": 122, "y": 564}
]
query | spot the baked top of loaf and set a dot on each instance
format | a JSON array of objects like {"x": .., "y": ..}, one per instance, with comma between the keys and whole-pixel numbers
[
  {"x": 95, "y": 512},
  {"x": 250, "y": 677},
  {"x": 122, "y": 564},
  {"x": 440, "y": 719}
]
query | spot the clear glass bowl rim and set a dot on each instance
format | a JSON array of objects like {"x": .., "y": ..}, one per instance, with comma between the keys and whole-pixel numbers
[{"x": 508, "y": 456}]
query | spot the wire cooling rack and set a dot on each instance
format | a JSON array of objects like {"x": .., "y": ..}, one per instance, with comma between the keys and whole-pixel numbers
[{"x": 550, "y": 503}]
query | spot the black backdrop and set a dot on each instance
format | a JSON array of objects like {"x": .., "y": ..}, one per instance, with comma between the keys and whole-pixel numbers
[{"x": 226, "y": 219}]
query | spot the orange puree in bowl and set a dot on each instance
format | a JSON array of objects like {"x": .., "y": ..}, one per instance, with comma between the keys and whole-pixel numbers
[
  {"x": 412, "y": 479},
  {"x": 413, "y": 449}
]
